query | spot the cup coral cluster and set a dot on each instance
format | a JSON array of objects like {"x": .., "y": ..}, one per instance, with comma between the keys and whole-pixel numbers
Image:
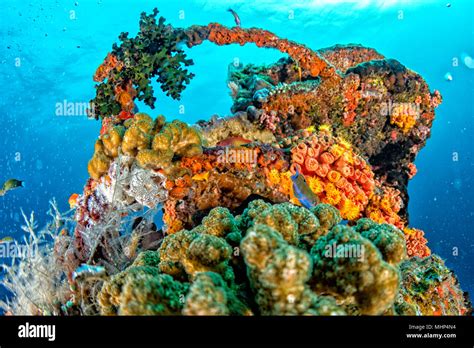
[
  {"x": 416, "y": 243},
  {"x": 385, "y": 207},
  {"x": 404, "y": 116},
  {"x": 334, "y": 172}
]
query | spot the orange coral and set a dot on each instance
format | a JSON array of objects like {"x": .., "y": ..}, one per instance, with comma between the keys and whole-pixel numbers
[
  {"x": 412, "y": 170},
  {"x": 296, "y": 106},
  {"x": 106, "y": 125},
  {"x": 180, "y": 187},
  {"x": 125, "y": 94},
  {"x": 384, "y": 208},
  {"x": 334, "y": 172},
  {"x": 436, "y": 99},
  {"x": 221, "y": 35},
  {"x": 416, "y": 243},
  {"x": 111, "y": 62},
  {"x": 404, "y": 116},
  {"x": 351, "y": 98},
  {"x": 197, "y": 164},
  {"x": 172, "y": 223}
]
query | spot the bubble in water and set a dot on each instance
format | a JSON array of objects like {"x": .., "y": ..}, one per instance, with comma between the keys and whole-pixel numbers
[
  {"x": 468, "y": 61},
  {"x": 457, "y": 184},
  {"x": 39, "y": 164}
]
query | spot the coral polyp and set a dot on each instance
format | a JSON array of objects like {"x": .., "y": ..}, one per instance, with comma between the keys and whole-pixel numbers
[{"x": 295, "y": 204}]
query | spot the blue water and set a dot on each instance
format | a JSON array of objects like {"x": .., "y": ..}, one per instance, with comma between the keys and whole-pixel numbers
[{"x": 49, "y": 51}]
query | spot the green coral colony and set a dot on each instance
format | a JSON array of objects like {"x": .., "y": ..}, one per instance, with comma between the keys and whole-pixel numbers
[{"x": 238, "y": 237}]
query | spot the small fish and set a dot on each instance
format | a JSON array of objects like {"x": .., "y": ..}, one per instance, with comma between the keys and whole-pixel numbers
[
  {"x": 201, "y": 177},
  {"x": 303, "y": 193},
  {"x": 88, "y": 271},
  {"x": 311, "y": 129},
  {"x": 10, "y": 185},
  {"x": 234, "y": 142},
  {"x": 236, "y": 17},
  {"x": 6, "y": 240},
  {"x": 448, "y": 77},
  {"x": 73, "y": 200},
  {"x": 64, "y": 232}
]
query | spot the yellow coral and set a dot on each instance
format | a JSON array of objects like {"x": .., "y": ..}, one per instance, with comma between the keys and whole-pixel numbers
[
  {"x": 386, "y": 205},
  {"x": 315, "y": 184},
  {"x": 274, "y": 176},
  {"x": 112, "y": 141},
  {"x": 344, "y": 144},
  {"x": 349, "y": 210},
  {"x": 375, "y": 215},
  {"x": 175, "y": 138},
  {"x": 325, "y": 128},
  {"x": 348, "y": 157},
  {"x": 153, "y": 144},
  {"x": 150, "y": 159},
  {"x": 99, "y": 164},
  {"x": 138, "y": 136},
  {"x": 409, "y": 231},
  {"x": 172, "y": 225},
  {"x": 286, "y": 185},
  {"x": 337, "y": 150},
  {"x": 333, "y": 195},
  {"x": 404, "y": 116}
]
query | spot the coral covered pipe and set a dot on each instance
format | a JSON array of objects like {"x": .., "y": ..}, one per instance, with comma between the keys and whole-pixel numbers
[{"x": 307, "y": 59}]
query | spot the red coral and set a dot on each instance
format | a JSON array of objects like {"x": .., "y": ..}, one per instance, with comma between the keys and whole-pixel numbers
[
  {"x": 416, "y": 243},
  {"x": 351, "y": 98},
  {"x": 412, "y": 170}
]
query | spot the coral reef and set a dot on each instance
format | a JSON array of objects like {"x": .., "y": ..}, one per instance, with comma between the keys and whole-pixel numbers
[
  {"x": 153, "y": 143},
  {"x": 207, "y": 219},
  {"x": 429, "y": 288},
  {"x": 184, "y": 254}
]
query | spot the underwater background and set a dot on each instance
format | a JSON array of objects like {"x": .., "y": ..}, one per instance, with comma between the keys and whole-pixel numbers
[{"x": 49, "y": 51}]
